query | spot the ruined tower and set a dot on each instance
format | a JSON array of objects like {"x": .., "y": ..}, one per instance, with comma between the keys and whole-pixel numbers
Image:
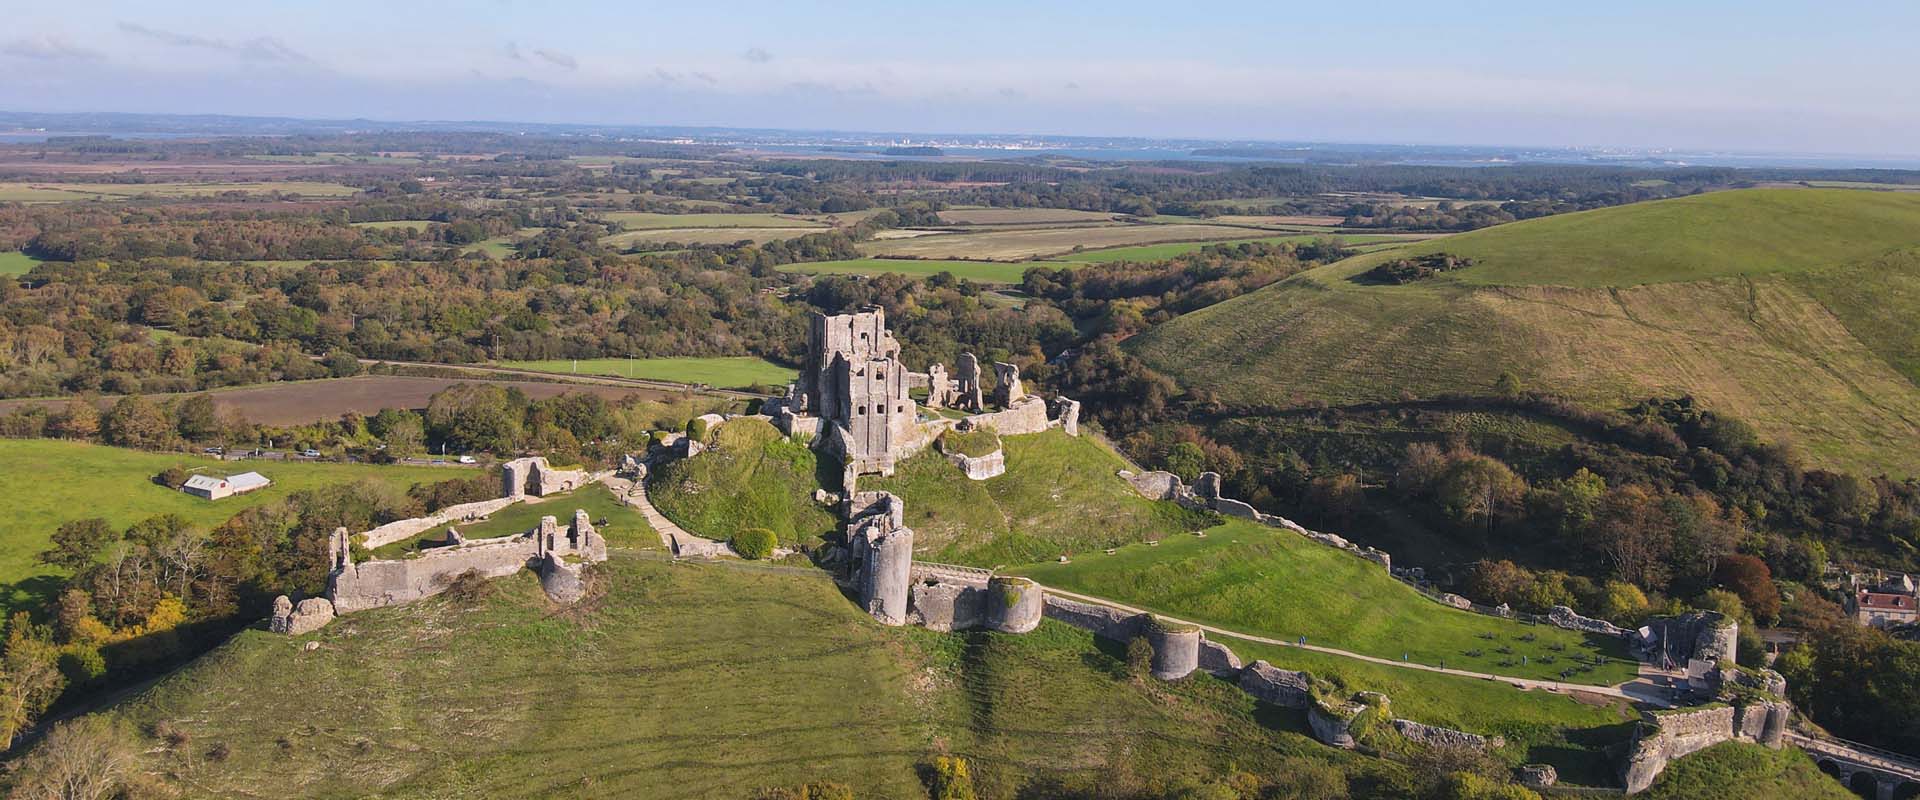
[{"x": 853, "y": 379}]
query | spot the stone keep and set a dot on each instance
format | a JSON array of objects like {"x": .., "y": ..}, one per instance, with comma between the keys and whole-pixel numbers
[{"x": 853, "y": 379}]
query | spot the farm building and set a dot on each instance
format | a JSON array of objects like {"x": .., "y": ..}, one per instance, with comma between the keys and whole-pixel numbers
[{"x": 213, "y": 487}]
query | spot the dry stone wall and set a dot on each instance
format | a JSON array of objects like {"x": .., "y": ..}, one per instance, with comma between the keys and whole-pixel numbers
[{"x": 371, "y": 584}]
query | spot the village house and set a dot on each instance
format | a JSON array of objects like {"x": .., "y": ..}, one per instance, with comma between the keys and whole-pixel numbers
[{"x": 213, "y": 487}]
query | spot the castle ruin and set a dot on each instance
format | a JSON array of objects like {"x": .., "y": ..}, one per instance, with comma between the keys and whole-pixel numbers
[{"x": 853, "y": 395}]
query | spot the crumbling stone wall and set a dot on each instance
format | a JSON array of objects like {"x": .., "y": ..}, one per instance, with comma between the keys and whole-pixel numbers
[
  {"x": 1667, "y": 735},
  {"x": 1007, "y": 389},
  {"x": 1564, "y": 617},
  {"x": 980, "y": 468},
  {"x": 1696, "y": 635},
  {"x": 949, "y": 606},
  {"x": 358, "y": 586},
  {"x": 1434, "y": 736},
  {"x": 408, "y": 528},
  {"x": 533, "y": 475},
  {"x": 1028, "y": 415}
]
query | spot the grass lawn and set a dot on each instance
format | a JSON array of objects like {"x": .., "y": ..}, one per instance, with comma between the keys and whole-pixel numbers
[
  {"x": 620, "y": 523},
  {"x": 727, "y": 372},
  {"x": 1738, "y": 770},
  {"x": 1248, "y": 577},
  {"x": 16, "y": 263},
  {"x": 1162, "y": 252},
  {"x": 751, "y": 477},
  {"x": 642, "y": 220},
  {"x": 1570, "y": 733},
  {"x": 685, "y": 680},
  {"x": 57, "y": 481},
  {"x": 1059, "y": 494},
  {"x": 982, "y": 271}
]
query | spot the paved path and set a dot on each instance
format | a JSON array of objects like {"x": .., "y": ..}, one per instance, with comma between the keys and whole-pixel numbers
[
  {"x": 677, "y": 540},
  {"x": 1628, "y": 691}
]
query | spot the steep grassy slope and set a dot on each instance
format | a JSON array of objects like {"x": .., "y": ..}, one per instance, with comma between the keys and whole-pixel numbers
[
  {"x": 1254, "y": 579},
  {"x": 686, "y": 681},
  {"x": 1729, "y": 297},
  {"x": 752, "y": 477},
  {"x": 1059, "y": 494}
]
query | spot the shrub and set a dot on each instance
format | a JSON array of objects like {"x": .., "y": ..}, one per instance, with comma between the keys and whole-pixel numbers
[
  {"x": 698, "y": 429},
  {"x": 951, "y": 778},
  {"x": 172, "y": 477},
  {"x": 755, "y": 543},
  {"x": 469, "y": 587},
  {"x": 1139, "y": 654}
]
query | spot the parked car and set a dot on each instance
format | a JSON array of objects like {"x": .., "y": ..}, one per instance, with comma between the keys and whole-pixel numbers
[
  {"x": 309, "y": 453},
  {"x": 215, "y": 451},
  {"x": 469, "y": 460}
]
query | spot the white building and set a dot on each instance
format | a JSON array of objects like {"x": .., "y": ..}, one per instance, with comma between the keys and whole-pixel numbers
[{"x": 213, "y": 487}]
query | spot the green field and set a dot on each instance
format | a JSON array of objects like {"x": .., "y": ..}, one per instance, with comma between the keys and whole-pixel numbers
[
  {"x": 727, "y": 372},
  {"x": 641, "y": 220},
  {"x": 691, "y": 681},
  {"x": 1747, "y": 232},
  {"x": 42, "y": 192},
  {"x": 1014, "y": 244},
  {"x": 410, "y": 224},
  {"x": 751, "y": 477},
  {"x": 982, "y": 271},
  {"x": 714, "y": 235},
  {"x": 1251, "y": 578},
  {"x": 1059, "y": 495},
  {"x": 1814, "y": 352},
  {"x": 59, "y": 481},
  {"x": 621, "y": 524},
  {"x": 16, "y": 263},
  {"x": 1162, "y": 252}
]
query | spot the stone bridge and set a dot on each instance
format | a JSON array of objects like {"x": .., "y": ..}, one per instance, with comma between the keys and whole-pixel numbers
[{"x": 1869, "y": 771}]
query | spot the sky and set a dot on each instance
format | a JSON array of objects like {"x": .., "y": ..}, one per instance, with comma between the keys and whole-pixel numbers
[{"x": 1760, "y": 75}]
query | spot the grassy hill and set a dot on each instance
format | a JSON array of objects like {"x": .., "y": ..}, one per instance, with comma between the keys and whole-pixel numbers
[
  {"x": 1787, "y": 308},
  {"x": 683, "y": 680},
  {"x": 1059, "y": 494},
  {"x": 751, "y": 477}
]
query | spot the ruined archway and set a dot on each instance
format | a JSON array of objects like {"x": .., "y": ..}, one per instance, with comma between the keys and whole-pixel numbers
[
  {"x": 1865, "y": 783},
  {"x": 1909, "y": 790},
  {"x": 1827, "y": 765}
]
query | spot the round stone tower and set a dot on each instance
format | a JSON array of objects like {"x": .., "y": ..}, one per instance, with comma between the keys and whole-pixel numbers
[
  {"x": 1176, "y": 647},
  {"x": 886, "y": 575},
  {"x": 1014, "y": 605}
]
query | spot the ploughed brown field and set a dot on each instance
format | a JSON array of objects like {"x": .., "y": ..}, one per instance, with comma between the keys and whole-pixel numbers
[{"x": 301, "y": 402}]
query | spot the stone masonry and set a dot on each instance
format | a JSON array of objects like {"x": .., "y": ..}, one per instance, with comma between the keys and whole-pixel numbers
[{"x": 358, "y": 586}]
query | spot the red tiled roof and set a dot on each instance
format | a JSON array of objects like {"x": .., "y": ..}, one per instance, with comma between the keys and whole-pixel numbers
[{"x": 1889, "y": 602}]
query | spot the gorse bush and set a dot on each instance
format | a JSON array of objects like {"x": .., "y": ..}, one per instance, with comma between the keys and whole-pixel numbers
[{"x": 755, "y": 543}]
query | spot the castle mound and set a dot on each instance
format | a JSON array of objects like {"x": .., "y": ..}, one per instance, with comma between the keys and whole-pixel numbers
[{"x": 1787, "y": 308}]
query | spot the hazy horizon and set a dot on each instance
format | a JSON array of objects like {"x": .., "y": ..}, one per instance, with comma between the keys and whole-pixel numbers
[{"x": 1760, "y": 77}]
